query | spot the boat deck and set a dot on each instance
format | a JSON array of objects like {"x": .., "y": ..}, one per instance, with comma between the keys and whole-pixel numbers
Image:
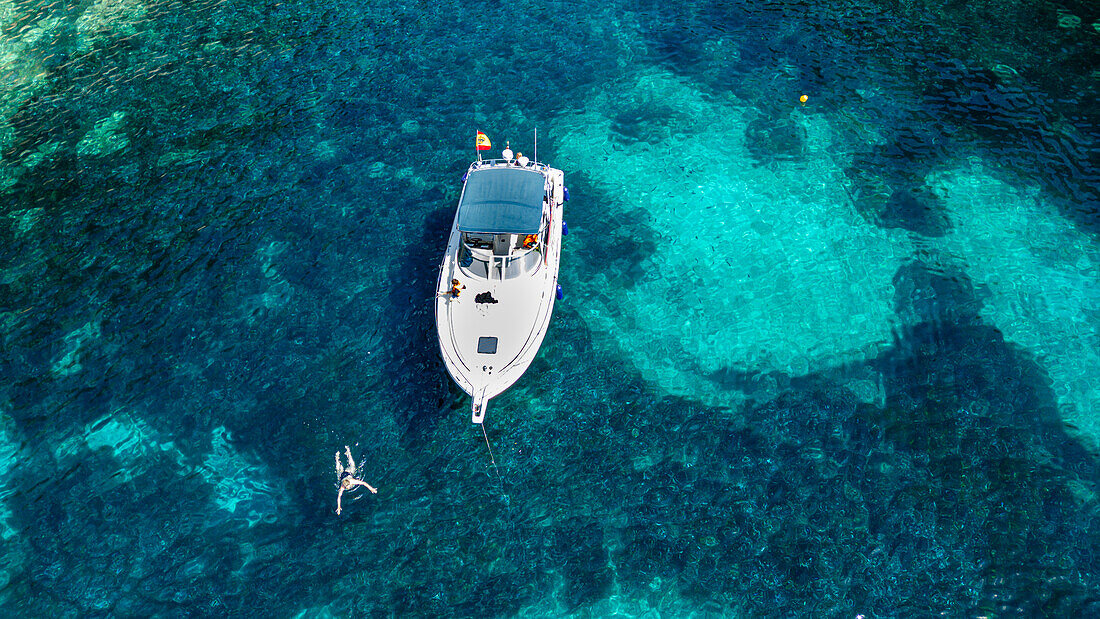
[{"x": 507, "y": 326}]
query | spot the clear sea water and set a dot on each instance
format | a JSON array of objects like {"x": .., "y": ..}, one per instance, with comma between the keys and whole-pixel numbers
[{"x": 831, "y": 359}]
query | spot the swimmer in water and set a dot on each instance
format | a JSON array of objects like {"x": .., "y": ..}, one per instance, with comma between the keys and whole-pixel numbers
[{"x": 347, "y": 479}]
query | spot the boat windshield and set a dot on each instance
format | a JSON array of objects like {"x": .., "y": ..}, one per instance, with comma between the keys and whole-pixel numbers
[{"x": 502, "y": 200}]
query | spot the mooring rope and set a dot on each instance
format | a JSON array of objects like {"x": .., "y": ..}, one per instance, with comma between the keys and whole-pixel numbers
[
  {"x": 500, "y": 478},
  {"x": 483, "y": 433}
]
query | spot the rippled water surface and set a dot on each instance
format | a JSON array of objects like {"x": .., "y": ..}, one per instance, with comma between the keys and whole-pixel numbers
[{"x": 837, "y": 357}]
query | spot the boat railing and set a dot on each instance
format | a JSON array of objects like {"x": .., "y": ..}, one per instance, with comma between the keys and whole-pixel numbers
[{"x": 492, "y": 163}]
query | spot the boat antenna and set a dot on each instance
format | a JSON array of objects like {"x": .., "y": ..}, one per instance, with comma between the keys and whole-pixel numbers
[{"x": 536, "y": 144}]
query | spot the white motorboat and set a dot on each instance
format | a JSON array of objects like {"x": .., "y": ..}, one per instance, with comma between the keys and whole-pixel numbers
[{"x": 499, "y": 278}]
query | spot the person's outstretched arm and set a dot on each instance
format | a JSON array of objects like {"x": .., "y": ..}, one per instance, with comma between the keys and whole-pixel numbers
[
  {"x": 339, "y": 496},
  {"x": 363, "y": 483}
]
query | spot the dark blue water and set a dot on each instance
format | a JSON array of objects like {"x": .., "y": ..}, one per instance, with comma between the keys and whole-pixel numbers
[{"x": 832, "y": 358}]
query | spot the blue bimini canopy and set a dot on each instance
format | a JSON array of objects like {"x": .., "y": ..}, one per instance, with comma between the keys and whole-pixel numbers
[{"x": 502, "y": 201}]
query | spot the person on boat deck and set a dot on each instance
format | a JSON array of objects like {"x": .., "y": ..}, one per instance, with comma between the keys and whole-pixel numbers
[
  {"x": 456, "y": 288},
  {"x": 507, "y": 153},
  {"x": 529, "y": 241},
  {"x": 347, "y": 478}
]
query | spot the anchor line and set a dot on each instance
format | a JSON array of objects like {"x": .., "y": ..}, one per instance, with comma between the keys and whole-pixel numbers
[
  {"x": 483, "y": 433},
  {"x": 500, "y": 480},
  {"x": 504, "y": 496}
]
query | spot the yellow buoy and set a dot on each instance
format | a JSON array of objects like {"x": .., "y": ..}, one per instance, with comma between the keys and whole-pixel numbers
[{"x": 803, "y": 99}]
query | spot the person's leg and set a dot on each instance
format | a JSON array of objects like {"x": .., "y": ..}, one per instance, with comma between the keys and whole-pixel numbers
[
  {"x": 339, "y": 469},
  {"x": 351, "y": 461}
]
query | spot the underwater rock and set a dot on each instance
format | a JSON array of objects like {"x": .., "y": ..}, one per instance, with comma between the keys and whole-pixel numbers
[
  {"x": 926, "y": 293},
  {"x": 917, "y": 210},
  {"x": 896, "y": 197},
  {"x": 118, "y": 18},
  {"x": 588, "y": 574},
  {"x": 647, "y": 123},
  {"x": 775, "y": 139},
  {"x": 1069, "y": 21},
  {"x": 106, "y": 137},
  {"x": 623, "y": 255}
]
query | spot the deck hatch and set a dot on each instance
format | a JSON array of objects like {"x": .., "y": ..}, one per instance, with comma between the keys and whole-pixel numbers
[{"x": 487, "y": 345}]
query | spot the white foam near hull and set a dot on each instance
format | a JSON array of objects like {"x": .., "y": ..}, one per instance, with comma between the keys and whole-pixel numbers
[{"x": 490, "y": 333}]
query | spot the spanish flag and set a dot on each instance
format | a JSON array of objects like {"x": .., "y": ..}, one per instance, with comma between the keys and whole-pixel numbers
[{"x": 482, "y": 141}]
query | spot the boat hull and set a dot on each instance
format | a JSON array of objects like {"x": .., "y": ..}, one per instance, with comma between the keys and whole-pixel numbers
[{"x": 491, "y": 332}]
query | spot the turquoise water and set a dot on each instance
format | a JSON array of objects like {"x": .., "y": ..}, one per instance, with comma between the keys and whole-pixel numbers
[{"x": 832, "y": 358}]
